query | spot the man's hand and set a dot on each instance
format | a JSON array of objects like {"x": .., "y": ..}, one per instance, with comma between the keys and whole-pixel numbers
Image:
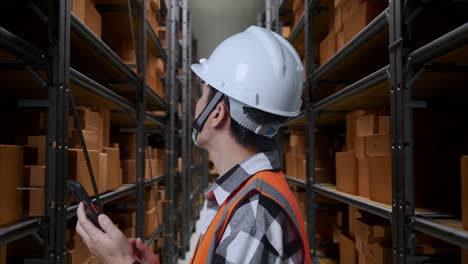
[
  {"x": 109, "y": 247},
  {"x": 142, "y": 252}
]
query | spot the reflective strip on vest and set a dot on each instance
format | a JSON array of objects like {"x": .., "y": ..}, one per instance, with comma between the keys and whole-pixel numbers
[{"x": 270, "y": 184}]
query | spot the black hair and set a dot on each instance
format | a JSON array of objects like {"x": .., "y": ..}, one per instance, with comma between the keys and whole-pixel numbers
[{"x": 246, "y": 137}]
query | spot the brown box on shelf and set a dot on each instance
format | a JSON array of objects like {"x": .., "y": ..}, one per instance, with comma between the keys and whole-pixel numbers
[
  {"x": 38, "y": 142},
  {"x": 340, "y": 40},
  {"x": 3, "y": 254},
  {"x": 327, "y": 47},
  {"x": 290, "y": 165},
  {"x": 349, "y": 8},
  {"x": 78, "y": 8},
  {"x": 34, "y": 176},
  {"x": 370, "y": 231},
  {"x": 363, "y": 177},
  {"x": 464, "y": 190},
  {"x": 103, "y": 131},
  {"x": 285, "y": 32},
  {"x": 297, "y": 144},
  {"x": 379, "y": 253},
  {"x": 367, "y": 125},
  {"x": 380, "y": 178},
  {"x": 114, "y": 178},
  {"x": 92, "y": 18},
  {"x": 378, "y": 145},
  {"x": 35, "y": 201},
  {"x": 89, "y": 120},
  {"x": 301, "y": 167},
  {"x": 150, "y": 222},
  {"x": 151, "y": 9},
  {"x": 128, "y": 170},
  {"x": 90, "y": 137},
  {"x": 103, "y": 172},
  {"x": 384, "y": 125},
  {"x": 11, "y": 177},
  {"x": 348, "y": 253},
  {"x": 77, "y": 169},
  {"x": 355, "y": 19},
  {"x": 346, "y": 172},
  {"x": 464, "y": 256},
  {"x": 353, "y": 215},
  {"x": 337, "y": 20},
  {"x": 360, "y": 147},
  {"x": 351, "y": 128}
]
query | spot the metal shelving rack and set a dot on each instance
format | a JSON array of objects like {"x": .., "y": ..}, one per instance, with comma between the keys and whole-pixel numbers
[
  {"x": 394, "y": 84},
  {"x": 57, "y": 83}
]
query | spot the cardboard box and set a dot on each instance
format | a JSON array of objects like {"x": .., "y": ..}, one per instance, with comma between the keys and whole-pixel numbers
[
  {"x": 380, "y": 178},
  {"x": 360, "y": 147},
  {"x": 103, "y": 172},
  {"x": 151, "y": 9},
  {"x": 367, "y": 125},
  {"x": 150, "y": 222},
  {"x": 78, "y": 170},
  {"x": 327, "y": 47},
  {"x": 114, "y": 178},
  {"x": 370, "y": 231},
  {"x": 384, "y": 125},
  {"x": 378, "y": 145},
  {"x": 379, "y": 253},
  {"x": 297, "y": 144},
  {"x": 340, "y": 40},
  {"x": 34, "y": 176},
  {"x": 348, "y": 253},
  {"x": 301, "y": 167},
  {"x": 363, "y": 177},
  {"x": 90, "y": 137},
  {"x": 353, "y": 214},
  {"x": 78, "y": 8},
  {"x": 355, "y": 19},
  {"x": 89, "y": 120},
  {"x": 38, "y": 142},
  {"x": 349, "y": 8},
  {"x": 337, "y": 21},
  {"x": 346, "y": 172},
  {"x": 351, "y": 128},
  {"x": 92, "y": 18},
  {"x": 129, "y": 170},
  {"x": 285, "y": 32},
  {"x": 464, "y": 190},
  {"x": 11, "y": 177},
  {"x": 290, "y": 164},
  {"x": 35, "y": 198},
  {"x": 103, "y": 131}
]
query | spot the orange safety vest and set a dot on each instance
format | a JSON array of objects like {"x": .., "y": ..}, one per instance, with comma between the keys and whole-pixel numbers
[{"x": 270, "y": 184}]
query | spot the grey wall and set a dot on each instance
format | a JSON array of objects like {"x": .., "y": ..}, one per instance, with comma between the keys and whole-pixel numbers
[{"x": 215, "y": 20}]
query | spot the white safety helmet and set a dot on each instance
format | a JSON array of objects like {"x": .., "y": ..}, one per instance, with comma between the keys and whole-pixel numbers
[{"x": 256, "y": 68}]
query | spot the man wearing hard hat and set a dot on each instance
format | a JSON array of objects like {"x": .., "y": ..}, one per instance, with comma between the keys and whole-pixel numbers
[{"x": 252, "y": 83}]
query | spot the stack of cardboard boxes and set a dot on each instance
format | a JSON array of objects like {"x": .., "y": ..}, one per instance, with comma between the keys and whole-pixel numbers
[
  {"x": 154, "y": 163},
  {"x": 367, "y": 240},
  {"x": 11, "y": 175},
  {"x": 86, "y": 11},
  {"x": 365, "y": 167},
  {"x": 105, "y": 160},
  {"x": 296, "y": 157},
  {"x": 346, "y": 19}
]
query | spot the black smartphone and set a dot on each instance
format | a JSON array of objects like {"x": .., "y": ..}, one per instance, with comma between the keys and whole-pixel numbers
[{"x": 80, "y": 195}]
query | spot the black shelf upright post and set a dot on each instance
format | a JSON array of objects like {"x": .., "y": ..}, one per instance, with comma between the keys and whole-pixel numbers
[
  {"x": 310, "y": 86},
  {"x": 171, "y": 69},
  {"x": 57, "y": 129},
  {"x": 401, "y": 124},
  {"x": 141, "y": 114},
  {"x": 184, "y": 135}
]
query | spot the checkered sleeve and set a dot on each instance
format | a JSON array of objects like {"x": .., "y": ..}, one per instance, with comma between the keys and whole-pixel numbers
[{"x": 260, "y": 232}]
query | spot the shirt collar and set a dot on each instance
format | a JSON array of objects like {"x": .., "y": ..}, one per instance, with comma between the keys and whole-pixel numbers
[{"x": 224, "y": 185}]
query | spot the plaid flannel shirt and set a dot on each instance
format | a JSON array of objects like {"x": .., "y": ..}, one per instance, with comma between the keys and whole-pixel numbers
[{"x": 259, "y": 231}]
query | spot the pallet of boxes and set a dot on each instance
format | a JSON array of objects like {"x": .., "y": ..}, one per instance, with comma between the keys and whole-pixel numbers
[{"x": 346, "y": 19}]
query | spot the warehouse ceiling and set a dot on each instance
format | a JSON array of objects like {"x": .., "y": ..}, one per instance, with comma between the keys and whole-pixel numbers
[{"x": 215, "y": 20}]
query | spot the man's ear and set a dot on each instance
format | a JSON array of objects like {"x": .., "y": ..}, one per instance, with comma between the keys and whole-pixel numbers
[{"x": 219, "y": 116}]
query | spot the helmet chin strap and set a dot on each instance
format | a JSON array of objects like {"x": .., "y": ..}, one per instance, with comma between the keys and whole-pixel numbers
[{"x": 199, "y": 122}]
